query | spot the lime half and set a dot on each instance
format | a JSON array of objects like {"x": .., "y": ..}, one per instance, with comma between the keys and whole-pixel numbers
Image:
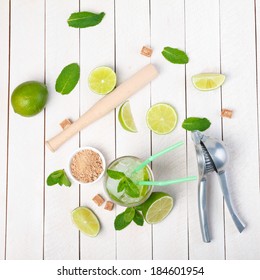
[
  {"x": 102, "y": 80},
  {"x": 86, "y": 221},
  {"x": 161, "y": 118},
  {"x": 157, "y": 207},
  {"x": 125, "y": 117},
  {"x": 208, "y": 81}
]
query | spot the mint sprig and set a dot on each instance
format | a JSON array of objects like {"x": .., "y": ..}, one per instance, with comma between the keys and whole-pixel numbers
[
  {"x": 125, "y": 184},
  {"x": 194, "y": 123},
  {"x": 85, "y": 19},
  {"x": 58, "y": 177},
  {"x": 125, "y": 218},
  {"x": 175, "y": 56}
]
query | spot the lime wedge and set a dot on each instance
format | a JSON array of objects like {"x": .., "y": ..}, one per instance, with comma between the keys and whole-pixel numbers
[
  {"x": 102, "y": 80},
  {"x": 161, "y": 118},
  {"x": 86, "y": 221},
  {"x": 208, "y": 81},
  {"x": 125, "y": 117},
  {"x": 157, "y": 207}
]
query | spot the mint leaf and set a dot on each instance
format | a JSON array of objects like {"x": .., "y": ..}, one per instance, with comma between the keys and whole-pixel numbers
[
  {"x": 54, "y": 177},
  {"x": 129, "y": 214},
  {"x": 138, "y": 218},
  {"x": 120, "y": 222},
  {"x": 85, "y": 19},
  {"x": 194, "y": 123},
  {"x": 121, "y": 185},
  {"x": 124, "y": 219},
  {"x": 58, "y": 177},
  {"x": 115, "y": 174},
  {"x": 175, "y": 56},
  {"x": 68, "y": 78},
  {"x": 64, "y": 180},
  {"x": 131, "y": 189}
]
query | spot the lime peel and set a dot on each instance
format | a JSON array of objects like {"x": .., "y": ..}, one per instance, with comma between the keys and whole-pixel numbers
[
  {"x": 125, "y": 117},
  {"x": 208, "y": 81},
  {"x": 86, "y": 221},
  {"x": 29, "y": 98},
  {"x": 157, "y": 207}
]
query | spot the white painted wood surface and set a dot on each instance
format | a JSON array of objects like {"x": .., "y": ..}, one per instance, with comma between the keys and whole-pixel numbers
[
  {"x": 99, "y": 43},
  {"x": 203, "y": 47},
  {"x": 173, "y": 165},
  {"x": 26, "y": 137},
  {"x": 219, "y": 36},
  {"x": 4, "y": 93},
  {"x": 61, "y": 240}
]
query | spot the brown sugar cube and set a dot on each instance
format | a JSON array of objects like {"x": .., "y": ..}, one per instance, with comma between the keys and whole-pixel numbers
[
  {"x": 146, "y": 51},
  {"x": 109, "y": 206},
  {"x": 98, "y": 199},
  {"x": 65, "y": 123},
  {"x": 225, "y": 113}
]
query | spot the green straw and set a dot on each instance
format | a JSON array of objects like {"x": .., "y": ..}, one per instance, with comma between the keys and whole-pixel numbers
[
  {"x": 165, "y": 183},
  {"x": 153, "y": 157}
]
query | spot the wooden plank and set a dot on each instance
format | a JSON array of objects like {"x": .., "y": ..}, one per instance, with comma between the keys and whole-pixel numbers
[
  {"x": 240, "y": 133},
  {"x": 170, "y": 88},
  {"x": 4, "y": 88},
  {"x": 132, "y": 32},
  {"x": 203, "y": 48},
  {"x": 26, "y": 146},
  {"x": 62, "y": 48},
  {"x": 257, "y": 38},
  {"x": 97, "y": 49}
]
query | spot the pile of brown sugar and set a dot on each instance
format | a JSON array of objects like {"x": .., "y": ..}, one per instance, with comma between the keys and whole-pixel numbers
[{"x": 86, "y": 166}]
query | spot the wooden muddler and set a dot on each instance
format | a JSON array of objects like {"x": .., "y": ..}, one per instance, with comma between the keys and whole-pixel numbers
[{"x": 105, "y": 105}]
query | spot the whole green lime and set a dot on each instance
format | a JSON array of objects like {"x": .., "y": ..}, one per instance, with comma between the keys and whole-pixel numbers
[{"x": 29, "y": 98}]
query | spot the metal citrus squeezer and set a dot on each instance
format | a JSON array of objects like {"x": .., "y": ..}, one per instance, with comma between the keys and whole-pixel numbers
[{"x": 212, "y": 156}]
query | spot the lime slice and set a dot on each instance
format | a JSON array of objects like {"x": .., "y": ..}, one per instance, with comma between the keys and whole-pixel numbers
[
  {"x": 208, "y": 81},
  {"x": 125, "y": 117},
  {"x": 86, "y": 221},
  {"x": 102, "y": 80},
  {"x": 157, "y": 207},
  {"x": 161, "y": 118}
]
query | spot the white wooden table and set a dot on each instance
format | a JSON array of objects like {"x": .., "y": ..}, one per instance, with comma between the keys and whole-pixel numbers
[{"x": 36, "y": 43}]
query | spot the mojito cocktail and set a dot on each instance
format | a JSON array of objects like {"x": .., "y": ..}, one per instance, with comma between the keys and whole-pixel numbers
[{"x": 123, "y": 196}]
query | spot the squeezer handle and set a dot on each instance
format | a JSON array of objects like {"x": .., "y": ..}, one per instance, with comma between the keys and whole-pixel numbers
[
  {"x": 224, "y": 186},
  {"x": 202, "y": 203}
]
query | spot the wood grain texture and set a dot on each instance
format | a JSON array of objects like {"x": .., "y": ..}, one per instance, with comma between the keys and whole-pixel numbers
[
  {"x": 26, "y": 137},
  {"x": 4, "y": 88},
  {"x": 170, "y": 88},
  {"x": 97, "y": 43},
  {"x": 203, "y": 48},
  {"x": 61, "y": 237},
  {"x": 240, "y": 133},
  {"x": 130, "y": 38}
]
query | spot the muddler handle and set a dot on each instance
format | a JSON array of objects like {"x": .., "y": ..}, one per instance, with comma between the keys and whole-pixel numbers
[{"x": 105, "y": 105}]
